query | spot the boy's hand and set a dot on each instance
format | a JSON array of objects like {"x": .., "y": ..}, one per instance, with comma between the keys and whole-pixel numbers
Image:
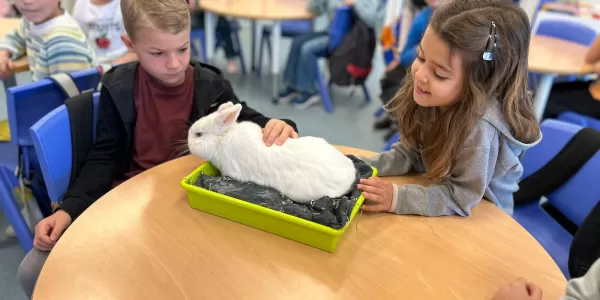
[
  {"x": 49, "y": 230},
  {"x": 277, "y": 131},
  {"x": 519, "y": 290},
  {"x": 6, "y": 64},
  {"x": 378, "y": 191}
]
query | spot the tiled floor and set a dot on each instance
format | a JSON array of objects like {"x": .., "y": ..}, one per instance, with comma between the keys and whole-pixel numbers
[{"x": 350, "y": 124}]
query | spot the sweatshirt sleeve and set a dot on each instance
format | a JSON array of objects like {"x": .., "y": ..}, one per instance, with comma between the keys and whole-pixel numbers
[
  {"x": 317, "y": 7},
  {"x": 98, "y": 170},
  {"x": 462, "y": 190},
  {"x": 586, "y": 287},
  {"x": 14, "y": 42},
  {"x": 397, "y": 161}
]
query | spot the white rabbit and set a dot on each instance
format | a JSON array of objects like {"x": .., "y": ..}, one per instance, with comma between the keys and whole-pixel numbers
[{"x": 303, "y": 169}]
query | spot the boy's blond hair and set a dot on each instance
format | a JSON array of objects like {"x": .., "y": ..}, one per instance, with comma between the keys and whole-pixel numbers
[{"x": 172, "y": 16}]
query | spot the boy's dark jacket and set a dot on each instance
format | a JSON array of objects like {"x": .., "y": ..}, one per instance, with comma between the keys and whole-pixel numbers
[{"x": 111, "y": 155}]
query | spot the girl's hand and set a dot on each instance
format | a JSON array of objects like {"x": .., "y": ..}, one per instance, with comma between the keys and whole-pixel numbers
[
  {"x": 519, "y": 290},
  {"x": 379, "y": 192},
  {"x": 277, "y": 131}
]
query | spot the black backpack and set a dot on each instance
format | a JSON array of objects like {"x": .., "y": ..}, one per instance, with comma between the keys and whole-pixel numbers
[{"x": 350, "y": 63}]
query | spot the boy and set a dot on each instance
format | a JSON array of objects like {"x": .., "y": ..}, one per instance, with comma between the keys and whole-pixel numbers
[
  {"x": 53, "y": 41},
  {"x": 102, "y": 22},
  {"x": 144, "y": 112}
]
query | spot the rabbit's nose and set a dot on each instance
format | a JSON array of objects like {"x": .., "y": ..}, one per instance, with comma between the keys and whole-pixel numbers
[{"x": 198, "y": 134}]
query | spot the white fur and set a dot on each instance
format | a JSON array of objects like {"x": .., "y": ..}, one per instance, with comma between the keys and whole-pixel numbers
[{"x": 303, "y": 169}]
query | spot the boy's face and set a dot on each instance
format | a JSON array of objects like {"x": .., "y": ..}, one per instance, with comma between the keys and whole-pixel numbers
[
  {"x": 38, "y": 11},
  {"x": 164, "y": 55}
]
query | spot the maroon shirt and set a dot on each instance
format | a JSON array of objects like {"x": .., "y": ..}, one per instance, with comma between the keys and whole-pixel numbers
[{"x": 161, "y": 125}]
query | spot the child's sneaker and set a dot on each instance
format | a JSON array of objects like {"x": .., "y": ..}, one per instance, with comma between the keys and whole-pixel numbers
[
  {"x": 306, "y": 100},
  {"x": 288, "y": 95}
]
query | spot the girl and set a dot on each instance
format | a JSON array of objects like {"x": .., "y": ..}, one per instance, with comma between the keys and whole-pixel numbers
[
  {"x": 102, "y": 23},
  {"x": 464, "y": 114}
]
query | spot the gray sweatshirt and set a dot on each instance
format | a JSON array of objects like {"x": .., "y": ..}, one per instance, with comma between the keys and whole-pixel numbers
[
  {"x": 372, "y": 12},
  {"x": 586, "y": 287},
  {"x": 487, "y": 166}
]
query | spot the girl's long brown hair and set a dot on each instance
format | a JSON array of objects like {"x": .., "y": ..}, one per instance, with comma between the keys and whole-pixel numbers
[{"x": 464, "y": 25}]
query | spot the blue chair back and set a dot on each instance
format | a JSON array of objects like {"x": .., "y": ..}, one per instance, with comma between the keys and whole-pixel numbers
[
  {"x": 339, "y": 27},
  {"x": 581, "y": 120},
  {"x": 293, "y": 28},
  {"x": 567, "y": 30},
  {"x": 51, "y": 137},
  {"x": 576, "y": 198},
  {"x": 30, "y": 102}
]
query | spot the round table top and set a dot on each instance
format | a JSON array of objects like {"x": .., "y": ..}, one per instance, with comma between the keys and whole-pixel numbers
[
  {"x": 7, "y": 25},
  {"x": 259, "y": 9},
  {"x": 552, "y": 55},
  {"x": 142, "y": 241}
]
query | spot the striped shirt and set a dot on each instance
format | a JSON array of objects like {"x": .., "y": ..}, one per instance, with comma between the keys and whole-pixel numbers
[{"x": 55, "y": 46}]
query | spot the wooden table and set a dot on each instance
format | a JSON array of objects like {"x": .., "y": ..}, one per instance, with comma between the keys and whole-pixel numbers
[
  {"x": 143, "y": 241},
  {"x": 551, "y": 57},
  {"x": 275, "y": 10}
]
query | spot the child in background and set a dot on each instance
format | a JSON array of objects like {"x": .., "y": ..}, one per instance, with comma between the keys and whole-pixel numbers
[
  {"x": 102, "y": 22},
  {"x": 464, "y": 114},
  {"x": 223, "y": 29},
  {"x": 144, "y": 114},
  {"x": 397, "y": 68},
  {"x": 300, "y": 77},
  {"x": 53, "y": 41}
]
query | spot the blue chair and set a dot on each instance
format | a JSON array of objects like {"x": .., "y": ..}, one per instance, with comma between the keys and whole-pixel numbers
[
  {"x": 578, "y": 119},
  {"x": 574, "y": 200},
  {"x": 392, "y": 140},
  {"x": 26, "y": 105},
  {"x": 200, "y": 35},
  {"x": 289, "y": 29},
  {"x": 52, "y": 141}
]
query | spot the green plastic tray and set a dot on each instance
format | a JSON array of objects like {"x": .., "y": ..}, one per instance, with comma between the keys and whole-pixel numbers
[{"x": 288, "y": 226}]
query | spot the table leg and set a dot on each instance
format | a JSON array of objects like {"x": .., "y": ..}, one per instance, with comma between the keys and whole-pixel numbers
[
  {"x": 9, "y": 81},
  {"x": 253, "y": 50},
  {"x": 276, "y": 41},
  {"x": 209, "y": 29},
  {"x": 542, "y": 93}
]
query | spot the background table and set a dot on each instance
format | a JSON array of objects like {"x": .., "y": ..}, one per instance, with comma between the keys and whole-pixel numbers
[
  {"x": 551, "y": 57},
  {"x": 275, "y": 10},
  {"x": 143, "y": 241},
  {"x": 8, "y": 25}
]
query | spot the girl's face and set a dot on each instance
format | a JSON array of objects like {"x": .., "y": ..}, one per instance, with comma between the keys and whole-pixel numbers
[{"x": 437, "y": 73}]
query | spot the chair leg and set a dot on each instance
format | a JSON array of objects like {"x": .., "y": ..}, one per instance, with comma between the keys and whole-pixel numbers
[
  {"x": 323, "y": 89},
  {"x": 238, "y": 47},
  {"x": 13, "y": 213},
  {"x": 260, "y": 53},
  {"x": 379, "y": 112},
  {"x": 253, "y": 52},
  {"x": 269, "y": 49},
  {"x": 366, "y": 91}
]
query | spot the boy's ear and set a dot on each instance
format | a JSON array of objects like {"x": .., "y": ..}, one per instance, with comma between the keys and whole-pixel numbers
[{"x": 128, "y": 42}]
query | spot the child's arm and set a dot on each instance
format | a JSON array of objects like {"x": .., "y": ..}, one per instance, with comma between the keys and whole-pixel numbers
[
  {"x": 64, "y": 54},
  {"x": 397, "y": 161},
  {"x": 415, "y": 34},
  {"x": 593, "y": 54},
  {"x": 14, "y": 43},
  {"x": 317, "y": 7},
  {"x": 98, "y": 171},
  {"x": 586, "y": 287}
]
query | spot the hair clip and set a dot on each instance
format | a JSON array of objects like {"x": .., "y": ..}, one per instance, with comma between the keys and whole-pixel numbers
[{"x": 488, "y": 55}]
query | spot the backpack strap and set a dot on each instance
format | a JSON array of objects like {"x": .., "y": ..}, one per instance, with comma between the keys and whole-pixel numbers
[
  {"x": 66, "y": 83},
  {"x": 102, "y": 69},
  {"x": 580, "y": 148},
  {"x": 81, "y": 116}
]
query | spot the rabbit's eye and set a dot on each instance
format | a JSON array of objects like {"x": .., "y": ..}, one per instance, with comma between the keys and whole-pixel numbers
[{"x": 198, "y": 134}]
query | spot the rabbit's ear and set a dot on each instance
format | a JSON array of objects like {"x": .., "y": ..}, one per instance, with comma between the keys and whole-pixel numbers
[
  {"x": 228, "y": 116},
  {"x": 224, "y": 106}
]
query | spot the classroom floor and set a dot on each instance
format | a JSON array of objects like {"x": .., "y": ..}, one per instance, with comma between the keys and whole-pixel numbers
[{"x": 350, "y": 125}]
